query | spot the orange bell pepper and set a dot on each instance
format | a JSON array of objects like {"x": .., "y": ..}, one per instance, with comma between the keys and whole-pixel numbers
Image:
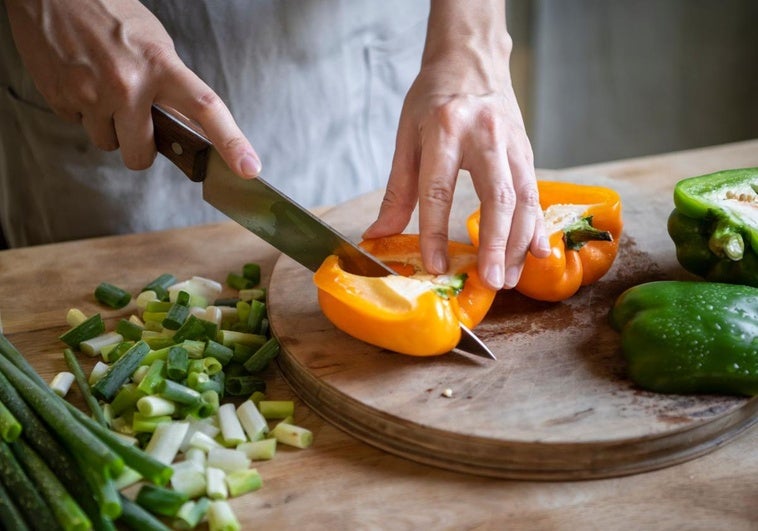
[
  {"x": 413, "y": 312},
  {"x": 584, "y": 225}
]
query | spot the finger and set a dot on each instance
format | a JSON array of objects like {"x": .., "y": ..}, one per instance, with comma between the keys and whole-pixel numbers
[
  {"x": 438, "y": 172},
  {"x": 494, "y": 186},
  {"x": 134, "y": 130},
  {"x": 101, "y": 131},
  {"x": 188, "y": 94},
  {"x": 540, "y": 244},
  {"x": 401, "y": 195}
]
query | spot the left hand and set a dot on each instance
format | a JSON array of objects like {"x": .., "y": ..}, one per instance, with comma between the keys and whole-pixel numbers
[{"x": 461, "y": 113}]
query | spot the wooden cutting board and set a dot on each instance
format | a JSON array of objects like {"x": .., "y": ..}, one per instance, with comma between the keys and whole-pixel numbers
[{"x": 555, "y": 405}]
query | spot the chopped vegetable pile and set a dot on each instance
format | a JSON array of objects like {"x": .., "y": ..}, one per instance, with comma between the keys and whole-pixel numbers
[{"x": 178, "y": 406}]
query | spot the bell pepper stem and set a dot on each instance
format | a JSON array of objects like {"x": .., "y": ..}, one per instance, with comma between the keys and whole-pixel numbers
[{"x": 581, "y": 232}]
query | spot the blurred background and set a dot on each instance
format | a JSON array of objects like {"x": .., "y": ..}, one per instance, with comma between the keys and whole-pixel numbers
[{"x": 600, "y": 80}]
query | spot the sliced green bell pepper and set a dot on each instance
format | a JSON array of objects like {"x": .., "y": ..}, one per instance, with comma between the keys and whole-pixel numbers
[
  {"x": 715, "y": 226},
  {"x": 690, "y": 337}
]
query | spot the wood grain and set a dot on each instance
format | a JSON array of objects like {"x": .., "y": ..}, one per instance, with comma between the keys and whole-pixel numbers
[
  {"x": 341, "y": 483},
  {"x": 556, "y": 403}
]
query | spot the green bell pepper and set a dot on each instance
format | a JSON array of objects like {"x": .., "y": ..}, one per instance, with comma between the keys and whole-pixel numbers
[
  {"x": 715, "y": 226},
  {"x": 690, "y": 337}
]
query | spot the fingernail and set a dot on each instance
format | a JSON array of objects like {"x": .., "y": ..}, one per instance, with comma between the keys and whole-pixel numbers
[
  {"x": 511, "y": 276},
  {"x": 543, "y": 243},
  {"x": 494, "y": 276},
  {"x": 439, "y": 262},
  {"x": 250, "y": 166}
]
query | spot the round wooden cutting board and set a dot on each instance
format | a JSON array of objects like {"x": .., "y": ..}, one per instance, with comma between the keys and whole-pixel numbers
[{"x": 555, "y": 405}]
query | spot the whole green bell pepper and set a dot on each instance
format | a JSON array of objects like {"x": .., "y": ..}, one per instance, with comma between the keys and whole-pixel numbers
[
  {"x": 690, "y": 337},
  {"x": 715, "y": 226}
]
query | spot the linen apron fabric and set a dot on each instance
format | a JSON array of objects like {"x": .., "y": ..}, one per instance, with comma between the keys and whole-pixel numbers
[{"x": 316, "y": 85}]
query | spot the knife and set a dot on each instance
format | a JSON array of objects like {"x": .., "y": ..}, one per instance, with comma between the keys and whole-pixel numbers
[{"x": 265, "y": 211}]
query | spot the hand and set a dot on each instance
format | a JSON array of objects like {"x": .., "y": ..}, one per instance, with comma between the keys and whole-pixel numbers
[
  {"x": 104, "y": 63},
  {"x": 461, "y": 113}
]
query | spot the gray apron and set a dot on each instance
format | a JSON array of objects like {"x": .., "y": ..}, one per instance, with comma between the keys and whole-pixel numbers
[{"x": 316, "y": 85}]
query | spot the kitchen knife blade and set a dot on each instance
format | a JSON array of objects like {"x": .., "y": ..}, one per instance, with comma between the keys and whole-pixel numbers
[{"x": 267, "y": 212}]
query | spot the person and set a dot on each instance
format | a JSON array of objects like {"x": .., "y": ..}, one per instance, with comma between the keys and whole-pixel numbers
[{"x": 85, "y": 73}]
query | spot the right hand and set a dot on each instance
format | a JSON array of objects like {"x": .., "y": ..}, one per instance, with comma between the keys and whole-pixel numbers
[{"x": 103, "y": 63}]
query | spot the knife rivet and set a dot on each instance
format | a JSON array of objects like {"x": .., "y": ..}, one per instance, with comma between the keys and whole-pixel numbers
[{"x": 176, "y": 147}]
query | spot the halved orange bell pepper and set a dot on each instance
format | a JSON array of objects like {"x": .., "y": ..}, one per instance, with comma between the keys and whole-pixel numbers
[
  {"x": 413, "y": 312},
  {"x": 584, "y": 225}
]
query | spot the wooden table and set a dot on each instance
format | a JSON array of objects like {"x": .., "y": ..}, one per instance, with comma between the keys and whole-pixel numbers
[{"x": 342, "y": 483}]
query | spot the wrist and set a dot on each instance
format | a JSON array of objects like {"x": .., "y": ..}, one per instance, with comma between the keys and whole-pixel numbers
[{"x": 469, "y": 37}]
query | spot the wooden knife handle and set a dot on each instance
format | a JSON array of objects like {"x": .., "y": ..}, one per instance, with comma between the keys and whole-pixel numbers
[{"x": 181, "y": 141}]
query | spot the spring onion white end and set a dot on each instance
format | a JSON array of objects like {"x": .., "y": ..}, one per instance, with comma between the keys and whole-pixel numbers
[
  {"x": 98, "y": 371},
  {"x": 292, "y": 435},
  {"x": 164, "y": 444},
  {"x": 61, "y": 383},
  {"x": 262, "y": 450},
  {"x": 228, "y": 459},
  {"x": 231, "y": 428},
  {"x": 189, "y": 481},
  {"x": 243, "y": 481},
  {"x": 202, "y": 441},
  {"x": 75, "y": 317},
  {"x": 154, "y": 406},
  {"x": 221, "y": 517},
  {"x": 92, "y": 347},
  {"x": 252, "y": 421},
  {"x": 215, "y": 483}
]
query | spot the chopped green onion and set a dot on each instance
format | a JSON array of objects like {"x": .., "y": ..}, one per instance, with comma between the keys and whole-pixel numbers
[
  {"x": 276, "y": 409},
  {"x": 230, "y": 337},
  {"x": 97, "y": 372},
  {"x": 252, "y": 272},
  {"x": 244, "y": 384},
  {"x": 195, "y": 349},
  {"x": 252, "y": 421},
  {"x": 238, "y": 282},
  {"x": 160, "y": 500},
  {"x": 112, "y": 296},
  {"x": 215, "y": 483},
  {"x": 256, "y": 315},
  {"x": 252, "y": 294},
  {"x": 75, "y": 317},
  {"x": 203, "y": 441},
  {"x": 189, "y": 481},
  {"x": 212, "y": 366},
  {"x": 155, "y": 406},
  {"x": 165, "y": 442},
  {"x": 191, "y": 513},
  {"x": 231, "y": 429},
  {"x": 144, "y": 424},
  {"x": 177, "y": 363},
  {"x": 129, "y": 330},
  {"x": 228, "y": 459},
  {"x": 261, "y": 358},
  {"x": 126, "y": 398},
  {"x": 221, "y": 517},
  {"x": 61, "y": 383},
  {"x": 92, "y": 347},
  {"x": 243, "y": 481},
  {"x": 262, "y": 450},
  {"x": 118, "y": 373},
  {"x": 222, "y": 353},
  {"x": 160, "y": 285},
  {"x": 179, "y": 393},
  {"x": 152, "y": 380},
  {"x": 292, "y": 435},
  {"x": 92, "y": 327},
  {"x": 175, "y": 317}
]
